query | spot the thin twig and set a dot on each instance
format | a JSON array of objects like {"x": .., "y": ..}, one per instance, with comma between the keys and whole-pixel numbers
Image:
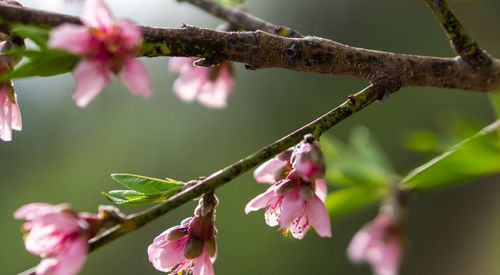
[
  {"x": 242, "y": 19},
  {"x": 466, "y": 47},
  {"x": 317, "y": 127}
]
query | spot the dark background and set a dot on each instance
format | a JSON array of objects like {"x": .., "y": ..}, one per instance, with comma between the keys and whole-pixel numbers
[{"x": 65, "y": 154}]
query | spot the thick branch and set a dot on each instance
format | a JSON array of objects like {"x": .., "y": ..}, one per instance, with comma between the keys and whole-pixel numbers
[
  {"x": 242, "y": 19},
  {"x": 309, "y": 54},
  {"x": 466, "y": 47}
]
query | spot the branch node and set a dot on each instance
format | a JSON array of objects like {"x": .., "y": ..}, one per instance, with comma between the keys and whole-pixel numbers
[
  {"x": 293, "y": 53},
  {"x": 352, "y": 99}
]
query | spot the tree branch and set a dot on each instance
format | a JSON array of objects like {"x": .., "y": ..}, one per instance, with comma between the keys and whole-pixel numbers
[
  {"x": 242, "y": 19},
  {"x": 317, "y": 127},
  {"x": 466, "y": 47},
  {"x": 259, "y": 49}
]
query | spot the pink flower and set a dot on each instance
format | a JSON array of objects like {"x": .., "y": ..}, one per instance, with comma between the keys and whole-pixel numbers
[
  {"x": 209, "y": 86},
  {"x": 189, "y": 247},
  {"x": 56, "y": 234},
  {"x": 106, "y": 47},
  {"x": 295, "y": 200},
  {"x": 308, "y": 159},
  {"x": 379, "y": 244},
  {"x": 295, "y": 205},
  {"x": 10, "y": 116}
]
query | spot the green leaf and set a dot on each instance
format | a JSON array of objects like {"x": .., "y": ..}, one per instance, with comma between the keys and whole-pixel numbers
[
  {"x": 359, "y": 163},
  {"x": 132, "y": 198},
  {"x": 39, "y": 36},
  {"x": 353, "y": 172},
  {"x": 347, "y": 200},
  {"x": 423, "y": 141},
  {"x": 474, "y": 157},
  {"x": 42, "y": 63},
  {"x": 147, "y": 185},
  {"x": 365, "y": 144}
]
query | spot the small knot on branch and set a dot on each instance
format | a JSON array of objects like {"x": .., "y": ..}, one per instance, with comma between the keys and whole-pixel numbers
[{"x": 293, "y": 53}]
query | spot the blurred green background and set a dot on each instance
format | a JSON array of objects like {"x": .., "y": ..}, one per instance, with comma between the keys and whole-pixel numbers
[{"x": 65, "y": 154}]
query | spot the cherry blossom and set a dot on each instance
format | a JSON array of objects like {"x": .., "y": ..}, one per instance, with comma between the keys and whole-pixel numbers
[
  {"x": 106, "y": 47},
  {"x": 58, "y": 235}
]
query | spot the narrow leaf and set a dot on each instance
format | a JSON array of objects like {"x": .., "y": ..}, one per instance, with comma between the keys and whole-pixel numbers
[
  {"x": 131, "y": 198},
  {"x": 360, "y": 163},
  {"x": 366, "y": 145},
  {"x": 147, "y": 185},
  {"x": 472, "y": 158}
]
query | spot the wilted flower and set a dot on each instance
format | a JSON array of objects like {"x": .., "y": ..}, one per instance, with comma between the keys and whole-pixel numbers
[
  {"x": 379, "y": 244},
  {"x": 58, "y": 235},
  {"x": 106, "y": 47},
  {"x": 209, "y": 86},
  {"x": 190, "y": 246}
]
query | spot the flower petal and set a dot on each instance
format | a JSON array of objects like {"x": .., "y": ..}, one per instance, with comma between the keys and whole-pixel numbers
[
  {"x": 187, "y": 86},
  {"x": 391, "y": 258},
  {"x": 359, "y": 244},
  {"x": 136, "y": 78},
  {"x": 72, "y": 38},
  {"x": 31, "y": 210},
  {"x": 291, "y": 208},
  {"x": 130, "y": 33},
  {"x": 71, "y": 260},
  {"x": 321, "y": 189},
  {"x": 91, "y": 78},
  {"x": 166, "y": 255},
  {"x": 203, "y": 265},
  {"x": 300, "y": 227},
  {"x": 17, "y": 122},
  {"x": 49, "y": 231},
  {"x": 318, "y": 217},
  {"x": 97, "y": 15},
  {"x": 5, "y": 117},
  {"x": 214, "y": 94},
  {"x": 270, "y": 171},
  {"x": 261, "y": 201},
  {"x": 180, "y": 64},
  {"x": 47, "y": 266}
]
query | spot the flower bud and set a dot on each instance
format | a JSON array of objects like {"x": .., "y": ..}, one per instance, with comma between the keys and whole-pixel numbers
[{"x": 308, "y": 159}]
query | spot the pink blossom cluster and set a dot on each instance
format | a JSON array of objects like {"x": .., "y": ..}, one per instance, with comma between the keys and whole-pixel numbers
[
  {"x": 379, "y": 243},
  {"x": 295, "y": 200},
  {"x": 209, "y": 86},
  {"x": 58, "y": 235},
  {"x": 189, "y": 247},
  {"x": 106, "y": 47}
]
